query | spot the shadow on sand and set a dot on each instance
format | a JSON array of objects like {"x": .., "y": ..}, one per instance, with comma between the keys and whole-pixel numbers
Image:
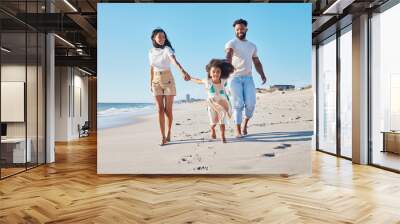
[{"x": 294, "y": 136}]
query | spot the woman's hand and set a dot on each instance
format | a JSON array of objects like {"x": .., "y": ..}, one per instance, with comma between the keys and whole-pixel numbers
[{"x": 186, "y": 76}]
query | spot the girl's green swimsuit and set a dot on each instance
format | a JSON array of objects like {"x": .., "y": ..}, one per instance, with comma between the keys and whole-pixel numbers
[
  {"x": 218, "y": 100},
  {"x": 212, "y": 91}
]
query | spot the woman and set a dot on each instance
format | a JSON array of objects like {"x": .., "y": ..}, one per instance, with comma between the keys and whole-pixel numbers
[{"x": 162, "y": 82}]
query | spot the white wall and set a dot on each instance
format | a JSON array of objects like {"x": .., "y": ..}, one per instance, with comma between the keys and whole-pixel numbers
[
  {"x": 61, "y": 103},
  {"x": 33, "y": 126},
  {"x": 81, "y": 89},
  {"x": 12, "y": 73},
  {"x": 70, "y": 83}
]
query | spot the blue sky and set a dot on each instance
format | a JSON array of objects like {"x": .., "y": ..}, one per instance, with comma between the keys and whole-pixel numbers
[{"x": 198, "y": 32}]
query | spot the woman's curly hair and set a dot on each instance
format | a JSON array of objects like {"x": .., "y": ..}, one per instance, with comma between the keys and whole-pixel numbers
[{"x": 226, "y": 67}]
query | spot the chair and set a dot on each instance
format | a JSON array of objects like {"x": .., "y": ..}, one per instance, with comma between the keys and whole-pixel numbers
[{"x": 84, "y": 130}]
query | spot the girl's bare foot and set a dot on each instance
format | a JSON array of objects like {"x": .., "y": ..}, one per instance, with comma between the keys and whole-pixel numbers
[
  {"x": 163, "y": 141},
  {"x": 213, "y": 135},
  {"x": 222, "y": 126}
]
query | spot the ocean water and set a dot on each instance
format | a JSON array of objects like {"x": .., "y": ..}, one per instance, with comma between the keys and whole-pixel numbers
[{"x": 118, "y": 114}]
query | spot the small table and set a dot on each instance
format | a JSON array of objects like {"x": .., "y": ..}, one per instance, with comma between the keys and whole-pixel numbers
[
  {"x": 18, "y": 151},
  {"x": 391, "y": 141}
]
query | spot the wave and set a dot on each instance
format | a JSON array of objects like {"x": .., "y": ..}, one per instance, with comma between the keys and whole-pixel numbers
[{"x": 121, "y": 111}]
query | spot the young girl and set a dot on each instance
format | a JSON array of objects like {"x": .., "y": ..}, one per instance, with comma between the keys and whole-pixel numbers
[{"x": 219, "y": 107}]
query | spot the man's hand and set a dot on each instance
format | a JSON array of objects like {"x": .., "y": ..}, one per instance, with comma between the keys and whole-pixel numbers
[
  {"x": 264, "y": 79},
  {"x": 259, "y": 68},
  {"x": 229, "y": 55}
]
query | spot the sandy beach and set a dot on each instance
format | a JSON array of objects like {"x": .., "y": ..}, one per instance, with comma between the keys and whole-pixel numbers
[{"x": 279, "y": 141}]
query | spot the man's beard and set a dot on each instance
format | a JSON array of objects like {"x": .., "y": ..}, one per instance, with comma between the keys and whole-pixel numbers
[{"x": 241, "y": 37}]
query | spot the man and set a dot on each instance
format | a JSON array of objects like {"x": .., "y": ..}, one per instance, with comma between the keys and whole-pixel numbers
[{"x": 242, "y": 54}]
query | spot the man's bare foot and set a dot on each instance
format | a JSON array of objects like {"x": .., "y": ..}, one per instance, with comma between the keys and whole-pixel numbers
[
  {"x": 244, "y": 131},
  {"x": 163, "y": 141},
  {"x": 238, "y": 131}
]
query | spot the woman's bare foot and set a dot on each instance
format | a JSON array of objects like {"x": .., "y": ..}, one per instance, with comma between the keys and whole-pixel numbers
[
  {"x": 223, "y": 139},
  {"x": 163, "y": 141},
  {"x": 168, "y": 139},
  {"x": 213, "y": 135}
]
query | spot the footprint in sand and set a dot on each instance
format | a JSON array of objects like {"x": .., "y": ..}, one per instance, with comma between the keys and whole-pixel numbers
[
  {"x": 268, "y": 154},
  {"x": 186, "y": 159},
  {"x": 201, "y": 168},
  {"x": 279, "y": 147},
  {"x": 190, "y": 159},
  {"x": 283, "y": 146},
  {"x": 260, "y": 125}
]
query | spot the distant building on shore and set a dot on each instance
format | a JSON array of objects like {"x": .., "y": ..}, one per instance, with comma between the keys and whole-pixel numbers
[
  {"x": 188, "y": 99},
  {"x": 283, "y": 87}
]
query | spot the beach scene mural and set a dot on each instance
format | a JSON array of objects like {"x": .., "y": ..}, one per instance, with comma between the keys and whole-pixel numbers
[{"x": 184, "y": 93}]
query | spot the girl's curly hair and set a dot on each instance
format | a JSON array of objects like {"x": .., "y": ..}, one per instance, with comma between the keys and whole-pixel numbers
[{"x": 226, "y": 67}]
